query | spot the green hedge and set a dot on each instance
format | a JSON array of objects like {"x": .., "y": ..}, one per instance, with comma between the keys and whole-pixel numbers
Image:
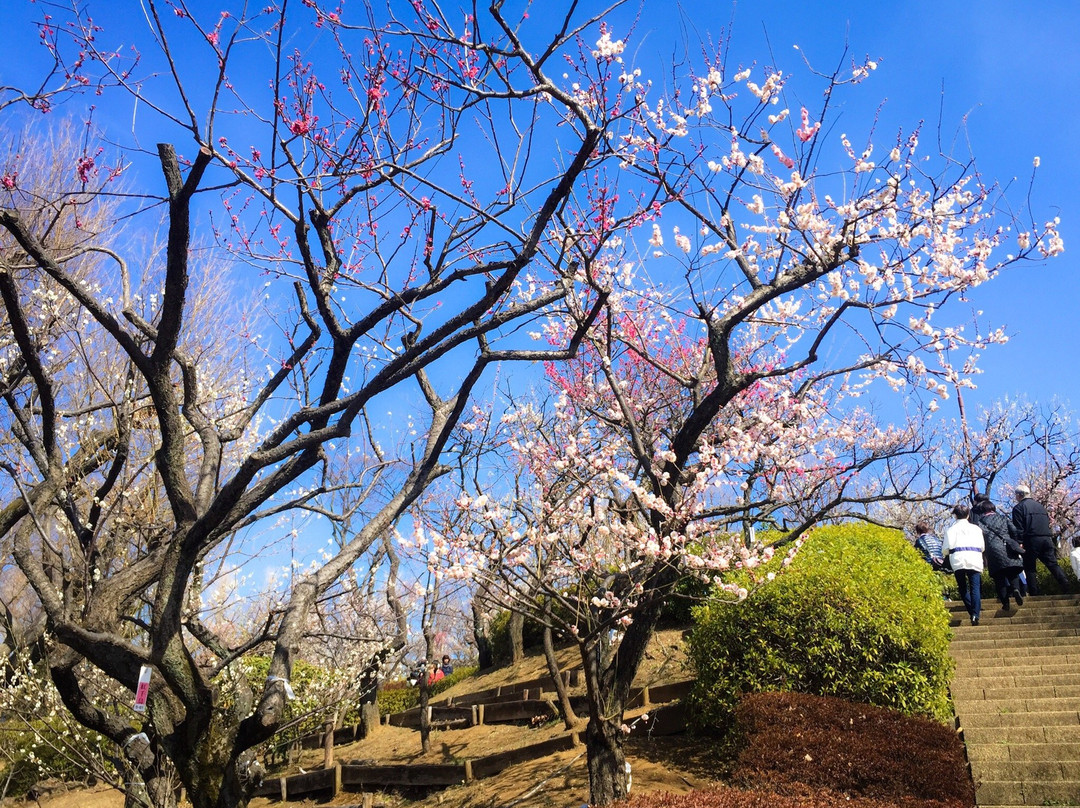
[
  {"x": 858, "y": 615},
  {"x": 398, "y": 696}
]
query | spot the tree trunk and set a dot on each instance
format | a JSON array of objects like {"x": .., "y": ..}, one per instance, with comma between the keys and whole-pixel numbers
[
  {"x": 566, "y": 711},
  {"x": 138, "y": 795},
  {"x": 608, "y": 780},
  {"x": 328, "y": 743},
  {"x": 369, "y": 717},
  {"x": 425, "y": 717},
  {"x": 484, "y": 657},
  {"x": 517, "y": 640}
]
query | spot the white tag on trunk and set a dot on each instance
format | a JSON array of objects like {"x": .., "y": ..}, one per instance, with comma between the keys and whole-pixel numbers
[{"x": 143, "y": 690}]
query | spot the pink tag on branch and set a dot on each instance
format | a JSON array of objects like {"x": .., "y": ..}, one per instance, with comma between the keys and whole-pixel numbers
[{"x": 143, "y": 690}]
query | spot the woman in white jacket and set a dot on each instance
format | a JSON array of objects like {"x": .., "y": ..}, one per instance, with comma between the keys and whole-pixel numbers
[{"x": 963, "y": 546}]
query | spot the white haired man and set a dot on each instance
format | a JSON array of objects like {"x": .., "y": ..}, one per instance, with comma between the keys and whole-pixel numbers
[{"x": 1033, "y": 524}]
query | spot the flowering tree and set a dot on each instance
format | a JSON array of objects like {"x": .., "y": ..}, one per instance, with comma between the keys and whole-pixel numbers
[
  {"x": 786, "y": 278},
  {"x": 390, "y": 223},
  {"x": 1037, "y": 444}
]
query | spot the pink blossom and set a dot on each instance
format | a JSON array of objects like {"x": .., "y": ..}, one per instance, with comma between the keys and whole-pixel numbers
[
  {"x": 806, "y": 131},
  {"x": 84, "y": 167},
  {"x": 783, "y": 158}
]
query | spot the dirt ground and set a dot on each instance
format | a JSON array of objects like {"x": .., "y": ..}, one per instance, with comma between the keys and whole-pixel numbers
[{"x": 675, "y": 764}]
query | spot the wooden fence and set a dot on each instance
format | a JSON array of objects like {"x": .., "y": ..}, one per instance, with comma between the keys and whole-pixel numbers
[
  {"x": 362, "y": 777},
  {"x": 508, "y": 703}
]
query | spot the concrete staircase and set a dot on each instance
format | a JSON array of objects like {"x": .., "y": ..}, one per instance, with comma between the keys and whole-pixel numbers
[{"x": 1017, "y": 696}]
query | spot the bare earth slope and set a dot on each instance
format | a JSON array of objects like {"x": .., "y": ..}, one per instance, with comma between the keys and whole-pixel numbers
[{"x": 672, "y": 764}]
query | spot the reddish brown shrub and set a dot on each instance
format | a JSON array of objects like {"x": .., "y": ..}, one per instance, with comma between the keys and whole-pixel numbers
[
  {"x": 724, "y": 797},
  {"x": 798, "y": 744}
]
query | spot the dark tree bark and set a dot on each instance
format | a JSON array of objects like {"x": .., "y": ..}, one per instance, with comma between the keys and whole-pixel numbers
[
  {"x": 516, "y": 633},
  {"x": 484, "y": 656},
  {"x": 566, "y": 710}
]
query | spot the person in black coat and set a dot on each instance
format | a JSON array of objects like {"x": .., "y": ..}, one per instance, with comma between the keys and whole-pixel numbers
[
  {"x": 1003, "y": 551},
  {"x": 1033, "y": 526}
]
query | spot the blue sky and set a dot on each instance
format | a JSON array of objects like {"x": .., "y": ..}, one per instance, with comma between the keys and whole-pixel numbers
[
  {"x": 1003, "y": 74},
  {"x": 1011, "y": 71}
]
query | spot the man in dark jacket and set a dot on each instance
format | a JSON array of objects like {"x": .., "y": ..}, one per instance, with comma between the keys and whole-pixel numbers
[{"x": 1033, "y": 526}]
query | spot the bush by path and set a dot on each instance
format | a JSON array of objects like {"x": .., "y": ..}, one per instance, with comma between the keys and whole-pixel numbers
[
  {"x": 858, "y": 615},
  {"x": 794, "y": 743}
]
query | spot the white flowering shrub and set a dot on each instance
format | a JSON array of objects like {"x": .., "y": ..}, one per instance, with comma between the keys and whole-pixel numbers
[{"x": 40, "y": 739}]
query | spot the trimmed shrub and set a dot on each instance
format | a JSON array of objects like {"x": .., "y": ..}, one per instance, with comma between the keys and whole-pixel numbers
[
  {"x": 791, "y": 741},
  {"x": 726, "y": 797},
  {"x": 397, "y": 697},
  {"x": 858, "y": 615}
]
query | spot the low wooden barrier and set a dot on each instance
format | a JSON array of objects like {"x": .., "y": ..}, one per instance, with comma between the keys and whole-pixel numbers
[
  {"x": 438, "y": 715},
  {"x": 663, "y": 694},
  {"x": 516, "y": 690},
  {"x": 287, "y": 788},
  {"x": 495, "y": 695},
  {"x": 658, "y": 694},
  {"x": 493, "y": 764},
  {"x": 667, "y": 719},
  {"x": 511, "y": 712},
  {"x": 358, "y": 777},
  {"x": 504, "y": 704},
  {"x": 411, "y": 775}
]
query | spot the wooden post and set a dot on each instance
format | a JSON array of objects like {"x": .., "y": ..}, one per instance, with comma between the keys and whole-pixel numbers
[
  {"x": 284, "y": 788},
  {"x": 475, "y": 716},
  {"x": 479, "y": 713},
  {"x": 468, "y": 771},
  {"x": 369, "y": 801},
  {"x": 337, "y": 775},
  {"x": 328, "y": 746}
]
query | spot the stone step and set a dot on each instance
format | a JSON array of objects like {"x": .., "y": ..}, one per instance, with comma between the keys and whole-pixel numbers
[
  {"x": 995, "y": 615},
  {"x": 1066, "y": 643},
  {"x": 1020, "y": 618},
  {"x": 1038, "y": 735},
  {"x": 1005, "y": 793},
  {"x": 1030, "y": 607},
  {"x": 1044, "y": 771},
  {"x": 1030, "y": 601},
  {"x": 1011, "y": 631},
  {"x": 1005, "y": 678},
  {"x": 1015, "y": 691},
  {"x": 989, "y": 619},
  {"x": 1044, "y": 718},
  {"x": 1021, "y": 705},
  {"x": 1007, "y": 657},
  {"x": 1016, "y": 667},
  {"x": 1050, "y": 603},
  {"x": 1002, "y": 751}
]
